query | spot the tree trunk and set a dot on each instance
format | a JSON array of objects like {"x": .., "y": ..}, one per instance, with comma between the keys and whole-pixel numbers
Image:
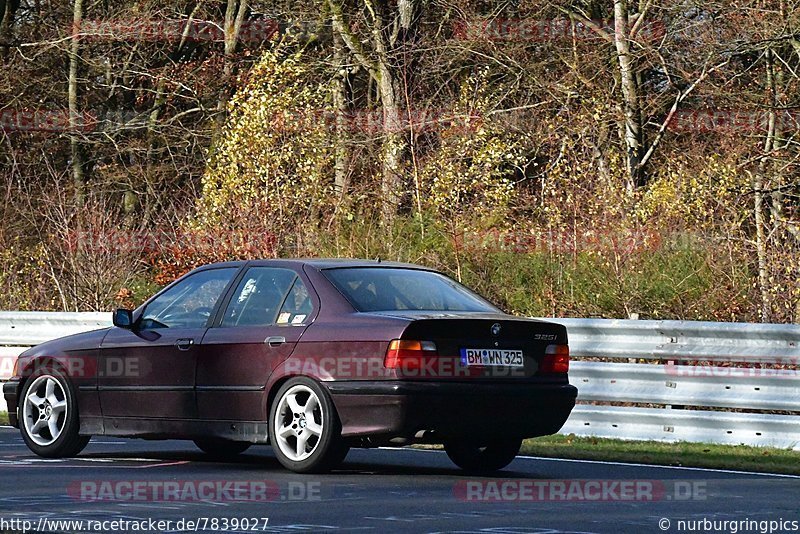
[
  {"x": 78, "y": 177},
  {"x": 393, "y": 144},
  {"x": 385, "y": 41},
  {"x": 393, "y": 140},
  {"x": 761, "y": 248},
  {"x": 7, "y": 8},
  {"x": 341, "y": 164},
  {"x": 234, "y": 16},
  {"x": 630, "y": 96},
  {"x": 758, "y": 187},
  {"x": 598, "y": 153}
]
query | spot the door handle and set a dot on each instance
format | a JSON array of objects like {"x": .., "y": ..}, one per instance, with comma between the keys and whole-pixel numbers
[
  {"x": 184, "y": 344},
  {"x": 275, "y": 341}
]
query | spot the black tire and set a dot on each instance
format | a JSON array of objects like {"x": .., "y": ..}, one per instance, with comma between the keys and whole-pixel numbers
[
  {"x": 486, "y": 458},
  {"x": 221, "y": 448},
  {"x": 311, "y": 427},
  {"x": 67, "y": 442}
]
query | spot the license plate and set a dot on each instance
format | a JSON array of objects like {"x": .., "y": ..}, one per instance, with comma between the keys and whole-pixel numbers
[{"x": 491, "y": 357}]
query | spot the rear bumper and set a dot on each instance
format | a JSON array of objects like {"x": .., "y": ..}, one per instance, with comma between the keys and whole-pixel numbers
[
  {"x": 10, "y": 392},
  {"x": 436, "y": 411}
]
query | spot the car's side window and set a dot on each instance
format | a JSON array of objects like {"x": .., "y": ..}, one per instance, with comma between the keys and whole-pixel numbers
[
  {"x": 257, "y": 299},
  {"x": 189, "y": 303},
  {"x": 297, "y": 307}
]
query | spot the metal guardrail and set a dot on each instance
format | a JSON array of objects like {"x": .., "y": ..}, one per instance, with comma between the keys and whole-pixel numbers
[
  {"x": 637, "y": 363},
  {"x": 20, "y": 330},
  {"x": 683, "y": 340},
  {"x": 32, "y": 328},
  {"x": 781, "y": 431},
  {"x": 746, "y": 371},
  {"x": 679, "y": 385}
]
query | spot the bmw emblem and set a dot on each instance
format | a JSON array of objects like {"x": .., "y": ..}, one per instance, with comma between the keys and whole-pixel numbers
[{"x": 496, "y": 329}]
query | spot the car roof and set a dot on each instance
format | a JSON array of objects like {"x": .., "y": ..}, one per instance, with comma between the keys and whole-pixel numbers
[{"x": 320, "y": 263}]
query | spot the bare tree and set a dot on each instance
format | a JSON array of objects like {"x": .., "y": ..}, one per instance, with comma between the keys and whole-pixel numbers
[
  {"x": 74, "y": 113},
  {"x": 388, "y": 30}
]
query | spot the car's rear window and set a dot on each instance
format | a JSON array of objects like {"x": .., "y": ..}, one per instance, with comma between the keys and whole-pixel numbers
[{"x": 394, "y": 289}]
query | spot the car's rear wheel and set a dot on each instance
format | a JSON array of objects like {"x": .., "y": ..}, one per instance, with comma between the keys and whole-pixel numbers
[
  {"x": 304, "y": 429},
  {"x": 488, "y": 457},
  {"x": 221, "y": 448},
  {"x": 48, "y": 409}
]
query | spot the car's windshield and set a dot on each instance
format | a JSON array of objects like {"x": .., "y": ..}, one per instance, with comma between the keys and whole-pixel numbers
[{"x": 394, "y": 289}]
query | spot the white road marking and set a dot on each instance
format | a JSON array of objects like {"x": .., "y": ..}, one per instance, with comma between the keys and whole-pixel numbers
[
  {"x": 678, "y": 467},
  {"x": 111, "y": 463},
  {"x": 625, "y": 464}
]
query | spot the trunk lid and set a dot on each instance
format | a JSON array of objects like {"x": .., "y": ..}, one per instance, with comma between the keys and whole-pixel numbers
[{"x": 483, "y": 346}]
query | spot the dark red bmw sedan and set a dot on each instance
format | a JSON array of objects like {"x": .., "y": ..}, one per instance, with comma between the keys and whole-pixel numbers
[{"x": 312, "y": 356}]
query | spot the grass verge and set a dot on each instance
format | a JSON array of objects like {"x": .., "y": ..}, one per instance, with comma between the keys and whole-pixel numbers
[
  {"x": 734, "y": 457},
  {"x": 3, "y": 418}
]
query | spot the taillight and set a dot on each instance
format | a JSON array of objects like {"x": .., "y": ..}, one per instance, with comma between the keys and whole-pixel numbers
[
  {"x": 556, "y": 360},
  {"x": 408, "y": 355}
]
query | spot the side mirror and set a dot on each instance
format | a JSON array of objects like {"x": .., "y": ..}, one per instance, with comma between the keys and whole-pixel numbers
[{"x": 123, "y": 318}]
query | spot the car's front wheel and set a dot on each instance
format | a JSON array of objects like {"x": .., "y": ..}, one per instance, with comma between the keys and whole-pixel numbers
[
  {"x": 48, "y": 410},
  {"x": 488, "y": 457},
  {"x": 304, "y": 429}
]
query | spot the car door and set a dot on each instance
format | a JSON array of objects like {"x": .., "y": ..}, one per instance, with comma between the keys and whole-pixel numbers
[
  {"x": 149, "y": 370},
  {"x": 261, "y": 323}
]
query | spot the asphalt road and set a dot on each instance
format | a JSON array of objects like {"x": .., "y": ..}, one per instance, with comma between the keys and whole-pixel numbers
[{"x": 384, "y": 490}]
